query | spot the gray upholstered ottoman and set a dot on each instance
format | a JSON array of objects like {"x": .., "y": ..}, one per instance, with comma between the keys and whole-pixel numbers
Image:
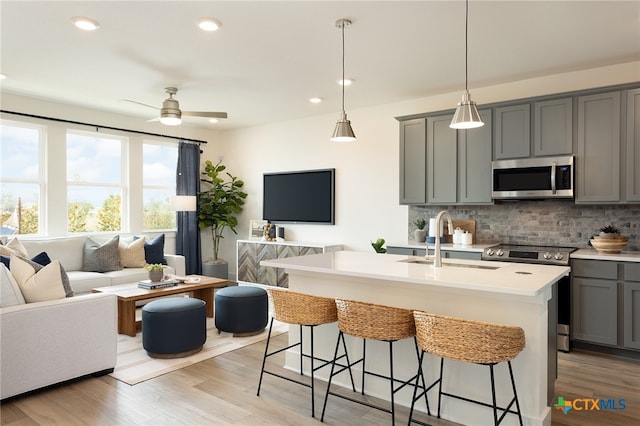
[
  {"x": 242, "y": 310},
  {"x": 174, "y": 327}
]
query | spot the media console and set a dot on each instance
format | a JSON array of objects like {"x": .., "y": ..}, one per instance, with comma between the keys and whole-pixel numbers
[{"x": 250, "y": 253}]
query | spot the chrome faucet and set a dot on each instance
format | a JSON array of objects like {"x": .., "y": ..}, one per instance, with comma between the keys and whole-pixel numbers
[{"x": 437, "y": 260}]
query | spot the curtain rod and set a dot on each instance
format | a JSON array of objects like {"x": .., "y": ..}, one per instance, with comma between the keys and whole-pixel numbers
[{"x": 98, "y": 126}]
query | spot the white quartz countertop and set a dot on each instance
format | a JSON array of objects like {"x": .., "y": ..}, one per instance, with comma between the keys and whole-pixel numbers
[
  {"x": 593, "y": 254},
  {"x": 444, "y": 246},
  {"x": 498, "y": 277}
]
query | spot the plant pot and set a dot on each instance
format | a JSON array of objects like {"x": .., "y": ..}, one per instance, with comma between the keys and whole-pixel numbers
[
  {"x": 419, "y": 235},
  {"x": 156, "y": 276},
  {"x": 217, "y": 269}
]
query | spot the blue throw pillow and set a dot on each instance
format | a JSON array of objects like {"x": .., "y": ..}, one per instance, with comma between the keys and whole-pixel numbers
[
  {"x": 42, "y": 258},
  {"x": 5, "y": 260},
  {"x": 154, "y": 250}
]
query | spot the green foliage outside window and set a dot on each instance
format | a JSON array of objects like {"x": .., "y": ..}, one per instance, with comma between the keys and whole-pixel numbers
[{"x": 109, "y": 217}]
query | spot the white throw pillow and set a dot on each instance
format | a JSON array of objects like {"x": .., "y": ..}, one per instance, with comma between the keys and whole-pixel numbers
[
  {"x": 46, "y": 284},
  {"x": 131, "y": 254},
  {"x": 10, "y": 293},
  {"x": 13, "y": 247}
]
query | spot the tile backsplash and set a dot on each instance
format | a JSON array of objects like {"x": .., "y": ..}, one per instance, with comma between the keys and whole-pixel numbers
[{"x": 542, "y": 222}]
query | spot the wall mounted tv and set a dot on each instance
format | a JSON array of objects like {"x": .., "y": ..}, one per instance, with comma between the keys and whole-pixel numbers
[{"x": 306, "y": 196}]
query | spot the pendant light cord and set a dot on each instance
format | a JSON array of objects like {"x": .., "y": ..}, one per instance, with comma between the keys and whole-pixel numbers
[
  {"x": 466, "y": 47},
  {"x": 343, "y": 83}
]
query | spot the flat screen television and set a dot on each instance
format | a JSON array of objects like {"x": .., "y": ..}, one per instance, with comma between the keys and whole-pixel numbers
[{"x": 306, "y": 196}]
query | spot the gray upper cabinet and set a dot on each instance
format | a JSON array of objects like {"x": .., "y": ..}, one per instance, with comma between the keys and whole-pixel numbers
[
  {"x": 413, "y": 148},
  {"x": 474, "y": 163},
  {"x": 633, "y": 146},
  {"x": 512, "y": 132},
  {"x": 441, "y": 161},
  {"x": 553, "y": 127},
  {"x": 598, "y": 149}
]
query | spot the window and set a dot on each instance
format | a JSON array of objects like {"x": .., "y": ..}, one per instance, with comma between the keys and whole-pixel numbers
[
  {"x": 159, "y": 183},
  {"x": 21, "y": 177},
  {"x": 95, "y": 182}
]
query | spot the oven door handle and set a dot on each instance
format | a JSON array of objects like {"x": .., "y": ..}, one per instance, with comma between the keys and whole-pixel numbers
[{"x": 553, "y": 177}]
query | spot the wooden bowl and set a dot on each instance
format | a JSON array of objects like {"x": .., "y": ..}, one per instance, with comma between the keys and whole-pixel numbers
[{"x": 609, "y": 244}]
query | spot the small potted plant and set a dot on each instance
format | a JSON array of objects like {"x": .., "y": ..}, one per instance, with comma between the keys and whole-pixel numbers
[
  {"x": 420, "y": 233},
  {"x": 377, "y": 245},
  {"x": 609, "y": 231},
  {"x": 156, "y": 271}
]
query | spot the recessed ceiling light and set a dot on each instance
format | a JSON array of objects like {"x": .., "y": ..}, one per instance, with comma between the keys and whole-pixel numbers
[
  {"x": 3, "y": 76},
  {"x": 209, "y": 24},
  {"x": 213, "y": 120},
  {"x": 315, "y": 100},
  {"x": 85, "y": 23},
  {"x": 346, "y": 82}
]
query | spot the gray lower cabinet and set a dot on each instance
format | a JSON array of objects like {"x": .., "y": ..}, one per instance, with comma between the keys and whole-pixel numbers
[
  {"x": 413, "y": 148},
  {"x": 598, "y": 149},
  {"x": 251, "y": 253},
  {"x": 446, "y": 254},
  {"x": 605, "y": 303},
  {"x": 595, "y": 313},
  {"x": 631, "y": 305},
  {"x": 512, "y": 132}
]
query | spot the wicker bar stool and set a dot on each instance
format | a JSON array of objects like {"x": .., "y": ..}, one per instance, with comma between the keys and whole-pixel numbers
[
  {"x": 303, "y": 310},
  {"x": 470, "y": 341},
  {"x": 376, "y": 322}
]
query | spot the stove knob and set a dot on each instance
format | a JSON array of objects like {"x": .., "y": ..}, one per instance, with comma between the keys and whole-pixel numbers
[
  {"x": 547, "y": 255},
  {"x": 489, "y": 252},
  {"x": 558, "y": 256},
  {"x": 500, "y": 252}
]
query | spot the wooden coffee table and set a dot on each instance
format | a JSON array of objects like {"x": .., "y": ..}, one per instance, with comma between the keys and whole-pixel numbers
[{"x": 129, "y": 294}]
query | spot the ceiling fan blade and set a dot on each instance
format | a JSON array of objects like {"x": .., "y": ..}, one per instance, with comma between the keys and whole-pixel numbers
[
  {"x": 153, "y": 119},
  {"x": 207, "y": 114},
  {"x": 140, "y": 103}
]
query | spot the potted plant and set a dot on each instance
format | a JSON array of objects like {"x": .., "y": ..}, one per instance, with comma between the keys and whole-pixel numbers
[
  {"x": 377, "y": 245},
  {"x": 609, "y": 231},
  {"x": 609, "y": 240},
  {"x": 219, "y": 203},
  {"x": 156, "y": 271},
  {"x": 420, "y": 233}
]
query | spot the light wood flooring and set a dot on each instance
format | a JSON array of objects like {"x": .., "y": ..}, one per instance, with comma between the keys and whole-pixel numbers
[{"x": 222, "y": 391}]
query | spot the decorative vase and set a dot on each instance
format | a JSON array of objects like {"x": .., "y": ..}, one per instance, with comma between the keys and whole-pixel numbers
[
  {"x": 419, "y": 235},
  {"x": 156, "y": 275}
]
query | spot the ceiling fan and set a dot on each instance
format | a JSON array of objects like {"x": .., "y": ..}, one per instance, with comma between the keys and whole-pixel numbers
[{"x": 170, "y": 113}]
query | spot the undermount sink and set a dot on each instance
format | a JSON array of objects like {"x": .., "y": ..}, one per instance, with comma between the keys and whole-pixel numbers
[{"x": 448, "y": 265}]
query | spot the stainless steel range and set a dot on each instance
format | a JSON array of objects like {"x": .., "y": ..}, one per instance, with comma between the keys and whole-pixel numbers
[
  {"x": 545, "y": 255},
  {"x": 548, "y": 255}
]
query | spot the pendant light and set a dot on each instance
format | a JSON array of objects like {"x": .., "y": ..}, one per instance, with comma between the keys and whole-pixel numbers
[
  {"x": 466, "y": 116},
  {"x": 343, "y": 131}
]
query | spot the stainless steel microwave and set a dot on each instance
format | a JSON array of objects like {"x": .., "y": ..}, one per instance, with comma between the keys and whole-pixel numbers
[{"x": 544, "y": 177}]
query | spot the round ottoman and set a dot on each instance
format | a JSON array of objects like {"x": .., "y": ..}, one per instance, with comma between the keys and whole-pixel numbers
[
  {"x": 242, "y": 310},
  {"x": 174, "y": 327}
]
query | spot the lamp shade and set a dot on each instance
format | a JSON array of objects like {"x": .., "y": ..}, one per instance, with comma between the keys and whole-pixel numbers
[
  {"x": 183, "y": 203},
  {"x": 466, "y": 116},
  {"x": 343, "y": 131}
]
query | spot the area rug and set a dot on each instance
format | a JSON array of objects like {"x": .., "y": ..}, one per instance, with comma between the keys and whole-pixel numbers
[{"x": 134, "y": 365}]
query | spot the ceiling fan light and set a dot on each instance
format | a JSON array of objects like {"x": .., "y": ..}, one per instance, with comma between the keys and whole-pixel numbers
[
  {"x": 466, "y": 115},
  {"x": 343, "y": 131},
  {"x": 169, "y": 118}
]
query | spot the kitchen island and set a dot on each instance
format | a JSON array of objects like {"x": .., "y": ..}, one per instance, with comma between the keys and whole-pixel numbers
[{"x": 509, "y": 293}]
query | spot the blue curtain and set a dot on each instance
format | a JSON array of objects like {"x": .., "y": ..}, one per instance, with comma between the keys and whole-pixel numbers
[{"x": 188, "y": 183}]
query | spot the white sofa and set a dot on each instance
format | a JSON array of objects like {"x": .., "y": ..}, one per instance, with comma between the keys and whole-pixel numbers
[
  {"x": 70, "y": 250},
  {"x": 45, "y": 343}
]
